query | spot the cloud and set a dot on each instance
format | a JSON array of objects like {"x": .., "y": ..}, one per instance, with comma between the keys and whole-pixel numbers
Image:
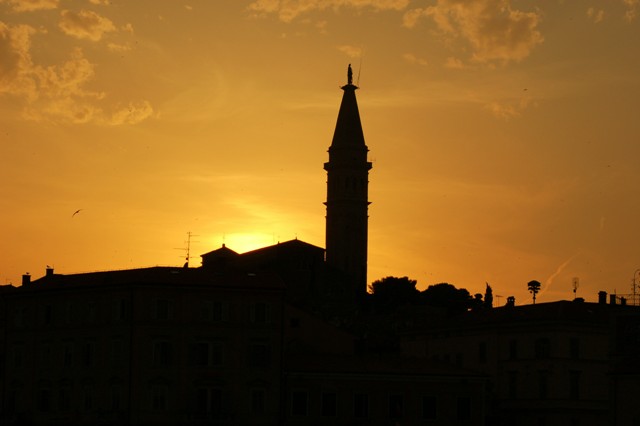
[
  {"x": 413, "y": 59},
  {"x": 15, "y": 60},
  {"x": 508, "y": 110},
  {"x": 503, "y": 111},
  {"x": 632, "y": 9},
  {"x": 549, "y": 281},
  {"x": 595, "y": 15},
  {"x": 114, "y": 47},
  {"x": 98, "y": 2},
  {"x": 31, "y": 5},
  {"x": 351, "y": 51},
  {"x": 57, "y": 92},
  {"x": 132, "y": 114},
  {"x": 288, "y": 10},
  {"x": 85, "y": 24},
  {"x": 453, "y": 63},
  {"x": 494, "y": 29}
]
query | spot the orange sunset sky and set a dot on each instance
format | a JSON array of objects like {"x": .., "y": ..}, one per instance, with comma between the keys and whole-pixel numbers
[{"x": 504, "y": 134}]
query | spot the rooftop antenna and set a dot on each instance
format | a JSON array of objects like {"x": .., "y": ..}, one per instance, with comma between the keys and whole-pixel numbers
[
  {"x": 576, "y": 284},
  {"x": 359, "y": 69},
  {"x": 187, "y": 249}
]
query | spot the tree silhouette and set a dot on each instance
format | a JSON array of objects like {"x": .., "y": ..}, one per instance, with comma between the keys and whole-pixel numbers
[
  {"x": 394, "y": 291},
  {"x": 447, "y": 296},
  {"x": 488, "y": 297},
  {"x": 534, "y": 288}
]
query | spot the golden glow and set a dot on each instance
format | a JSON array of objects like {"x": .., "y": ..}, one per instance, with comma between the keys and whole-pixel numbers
[
  {"x": 242, "y": 243},
  {"x": 503, "y": 135}
]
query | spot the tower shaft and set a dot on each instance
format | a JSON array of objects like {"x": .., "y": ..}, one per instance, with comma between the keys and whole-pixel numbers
[{"x": 347, "y": 195}]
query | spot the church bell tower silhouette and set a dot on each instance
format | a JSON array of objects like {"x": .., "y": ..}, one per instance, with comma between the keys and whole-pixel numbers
[{"x": 347, "y": 194}]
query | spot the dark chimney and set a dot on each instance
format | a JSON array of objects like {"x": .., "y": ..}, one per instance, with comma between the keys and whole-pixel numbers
[
  {"x": 511, "y": 301},
  {"x": 26, "y": 279},
  {"x": 612, "y": 299},
  {"x": 623, "y": 301},
  {"x": 602, "y": 297},
  {"x": 49, "y": 271}
]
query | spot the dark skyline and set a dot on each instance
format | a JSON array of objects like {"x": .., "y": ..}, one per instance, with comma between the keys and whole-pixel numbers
[{"x": 503, "y": 137}]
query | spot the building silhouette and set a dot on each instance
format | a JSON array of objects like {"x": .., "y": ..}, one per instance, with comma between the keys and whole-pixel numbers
[
  {"x": 287, "y": 335},
  {"x": 347, "y": 195}
]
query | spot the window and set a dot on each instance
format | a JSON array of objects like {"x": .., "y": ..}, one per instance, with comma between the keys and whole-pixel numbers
[
  {"x": 116, "y": 397},
  {"x": 513, "y": 349},
  {"x": 17, "y": 355},
  {"x": 67, "y": 354},
  {"x": 429, "y": 407},
  {"x": 12, "y": 401},
  {"x": 91, "y": 312},
  {"x": 205, "y": 353},
  {"x": 574, "y": 384},
  {"x": 19, "y": 317},
  {"x": 44, "y": 355},
  {"x": 299, "y": 403},
  {"x": 64, "y": 399},
  {"x": 209, "y": 400},
  {"x": 161, "y": 353},
  {"x": 259, "y": 355},
  {"x": 162, "y": 309},
  {"x": 463, "y": 408},
  {"x": 396, "y": 406},
  {"x": 512, "y": 377},
  {"x": 200, "y": 354},
  {"x": 215, "y": 311},
  {"x": 542, "y": 348},
  {"x": 159, "y": 397},
  {"x": 482, "y": 352},
  {"x": 574, "y": 348},
  {"x": 48, "y": 314},
  {"x": 361, "y": 405},
  {"x": 87, "y": 393},
  {"x": 260, "y": 313},
  {"x": 119, "y": 310},
  {"x": 88, "y": 353},
  {"x": 329, "y": 404},
  {"x": 543, "y": 384},
  {"x": 44, "y": 400},
  {"x": 116, "y": 352},
  {"x": 257, "y": 401},
  {"x": 68, "y": 313}
]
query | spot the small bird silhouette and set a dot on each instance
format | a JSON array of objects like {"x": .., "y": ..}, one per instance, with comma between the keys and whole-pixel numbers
[{"x": 76, "y": 212}]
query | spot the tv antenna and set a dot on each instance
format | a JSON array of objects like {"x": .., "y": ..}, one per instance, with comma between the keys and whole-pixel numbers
[
  {"x": 576, "y": 284},
  {"x": 359, "y": 69},
  {"x": 187, "y": 249}
]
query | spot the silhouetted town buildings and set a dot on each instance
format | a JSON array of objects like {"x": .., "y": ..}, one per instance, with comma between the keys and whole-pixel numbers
[{"x": 287, "y": 335}]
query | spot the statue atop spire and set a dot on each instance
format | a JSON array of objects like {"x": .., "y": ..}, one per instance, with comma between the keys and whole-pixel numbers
[{"x": 349, "y": 75}]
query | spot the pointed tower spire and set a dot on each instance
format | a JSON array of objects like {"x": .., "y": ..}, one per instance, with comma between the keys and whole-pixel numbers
[{"x": 347, "y": 193}]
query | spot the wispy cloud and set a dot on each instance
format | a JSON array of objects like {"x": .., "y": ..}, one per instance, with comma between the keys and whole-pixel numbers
[
  {"x": 549, "y": 281},
  {"x": 594, "y": 15},
  {"x": 413, "y": 59},
  {"x": 31, "y": 5},
  {"x": 85, "y": 24},
  {"x": 632, "y": 9},
  {"x": 494, "y": 29},
  {"x": 56, "y": 92},
  {"x": 351, "y": 51},
  {"x": 288, "y": 10},
  {"x": 453, "y": 63}
]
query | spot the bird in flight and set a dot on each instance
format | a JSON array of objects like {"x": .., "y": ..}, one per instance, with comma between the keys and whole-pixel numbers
[{"x": 76, "y": 212}]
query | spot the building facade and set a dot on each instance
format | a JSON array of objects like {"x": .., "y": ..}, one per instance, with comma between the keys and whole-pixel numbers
[{"x": 547, "y": 364}]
